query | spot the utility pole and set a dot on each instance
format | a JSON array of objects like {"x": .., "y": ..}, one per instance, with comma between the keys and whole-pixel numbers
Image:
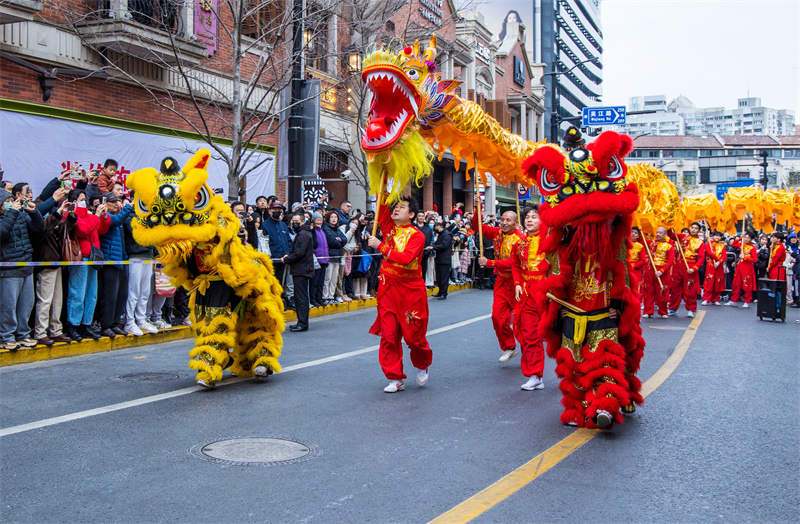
[
  {"x": 555, "y": 114},
  {"x": 295, "y": 189},
  {"x": 764, "y": 164}
]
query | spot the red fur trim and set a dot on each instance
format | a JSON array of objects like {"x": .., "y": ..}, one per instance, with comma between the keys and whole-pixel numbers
[
  {"x": 591, "y": 207},
  {"x": 608, "y": 144}
]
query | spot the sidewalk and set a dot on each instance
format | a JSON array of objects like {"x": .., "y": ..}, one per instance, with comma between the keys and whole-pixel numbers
[{"x": 88, "y": 346}]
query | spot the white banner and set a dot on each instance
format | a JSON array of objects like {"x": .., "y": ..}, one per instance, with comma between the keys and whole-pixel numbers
[{"x": 35, "y": 149}]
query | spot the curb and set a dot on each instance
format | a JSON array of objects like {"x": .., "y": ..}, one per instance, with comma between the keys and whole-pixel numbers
[{"x": 87, "y": 346}]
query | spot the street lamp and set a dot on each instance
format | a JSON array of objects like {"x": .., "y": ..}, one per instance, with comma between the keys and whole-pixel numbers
[{"x": 555, "y": 118}]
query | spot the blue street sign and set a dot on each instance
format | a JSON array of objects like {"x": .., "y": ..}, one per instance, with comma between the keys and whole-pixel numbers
[
  {"x": 524, "y": 192},
  {"x": 722, "y": 189},
  {"x": 603, "y": 116}
]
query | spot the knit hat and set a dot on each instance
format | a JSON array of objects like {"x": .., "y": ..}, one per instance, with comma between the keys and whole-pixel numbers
[
  {"x": 296, "y": 206},
  {"x": 315, "y": 216},
  {"x": 5, "y": 195}
]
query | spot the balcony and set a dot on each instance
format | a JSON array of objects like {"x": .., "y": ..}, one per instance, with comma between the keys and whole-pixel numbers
[
  {"x": 153, "y": 30},
  {"x": 12, "y": 11}
]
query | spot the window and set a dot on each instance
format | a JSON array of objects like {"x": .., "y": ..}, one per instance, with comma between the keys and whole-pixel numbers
[
  {"x": 743, "y": 174},
  {"x": 263, "y": 22},
  {"x": 690, "y": 178},
  {"x": 740, "y": 152},
  {"x": 773, "y": 153},
  {"x": 672, "y": 176},
  {"x": 791, "y": 153},
  {"x": 315, "y": 38}
]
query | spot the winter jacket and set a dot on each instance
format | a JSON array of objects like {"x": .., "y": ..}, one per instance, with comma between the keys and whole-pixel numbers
[
  {"x": 48, "y": 243},
  {"x": 278, "y": 233},
  {"x": 113, "y": 241},
  {"x": 442, "y": 245},
  {"x": 88, "y": 230},
  {"x": 46, "y": 197},
  {"x": 301, "y": 255},
  {"x": 321, "y": 249},
  {"x": 133, "y": 248},
  {"x": 350, "y": 235},
  {"x": 336, "y": 242},
  {"x": 104, "y": 184},
  {"x": 343, "y": 217},
  {"x": 16, "y": 229},
  {"x": 91, "y": 190}
]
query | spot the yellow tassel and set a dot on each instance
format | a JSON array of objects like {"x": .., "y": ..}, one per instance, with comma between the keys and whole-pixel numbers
[{"x": 410, "y": 163}]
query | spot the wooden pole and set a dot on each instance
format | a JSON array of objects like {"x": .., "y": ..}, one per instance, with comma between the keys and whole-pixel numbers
[
  {"x": 649, "y": 255},
  {"x": 381, "y": 191},
  {"x": 680, "y": 248},
  {"x": 516, "y": 193},
  {"x": 480, "y": 201},
  {"x": 567, "y": 305}
]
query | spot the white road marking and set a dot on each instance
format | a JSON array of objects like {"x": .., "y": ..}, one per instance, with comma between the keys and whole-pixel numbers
[{"x": 185, "y": 391}]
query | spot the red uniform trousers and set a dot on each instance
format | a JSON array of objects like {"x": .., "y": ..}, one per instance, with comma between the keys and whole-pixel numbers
[
  {"x": 654, "y": 294},
  {"x": 402, "y": 312},
  {"x": 684, "y": 287},
  {"x": 526, "y": 322},
  {"x": 744, "y": 282},
  {"x": 715, "y": 282},
  {"x": 503, "y": 312}
]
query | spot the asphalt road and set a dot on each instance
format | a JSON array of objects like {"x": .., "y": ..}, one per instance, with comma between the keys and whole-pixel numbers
[{"x": 718, "y": 441}]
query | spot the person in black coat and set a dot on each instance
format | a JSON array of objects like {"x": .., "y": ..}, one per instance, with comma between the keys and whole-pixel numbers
[
  {"x": 300, "y": 260},
  {"x": 442, "y": 246},
  {"x": 428, "y": 232}
]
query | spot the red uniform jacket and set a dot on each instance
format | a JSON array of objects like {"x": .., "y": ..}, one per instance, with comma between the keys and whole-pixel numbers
[
  {"x": 504, "y": 247},
  {"x": 528, "y": 265},
  {"x": 401, "y": 248},
  {"x": 663, "y": 255},
  {"x": 777, "y": 256}
]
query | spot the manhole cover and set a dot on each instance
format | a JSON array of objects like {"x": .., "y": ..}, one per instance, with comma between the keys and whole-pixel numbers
[
  {"x": 148, "y": 377},
  {"x": 255, "y": 451}
]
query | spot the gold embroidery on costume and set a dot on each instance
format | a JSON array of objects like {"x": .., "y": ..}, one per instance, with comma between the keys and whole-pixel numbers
[
  {"x": 401, "y": 236},
  {"x": 660, "y": 253},
  {"x": 592, "y": 339},
  {"x": 201, "y": 312},
  {"x": 585, "y": 283},
  {"x": 534, "y": 256},
  {"x": 506, "y": 246}
]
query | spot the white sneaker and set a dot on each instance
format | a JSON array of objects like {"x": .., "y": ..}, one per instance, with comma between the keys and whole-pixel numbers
[
  {"x": 746, "y": 306},
  {"x": 717, "y": 303},
  {"x": 187, "y": 321},
  {"x": 422, "y": 377},
  {"x": 664, "y": 316},
  {"x": 533, "y": 382},
  {"x": 704, "y": 303},
  {"x": 261, "y": 371},
  {"x": 147, "y": 327},
  {"x": 133, "y": 329},
  {"x": 394, "y": 386},
  {"x": 507, "y": 355},
  {"x": 690, "y": 314},
  {"x": 730, "y": 303},
  {"x": 203, "y": 384},
  {"x": 161, "y": 324},
  {"x": 672, "y": 312},
  {"x": 604, "y": 419},
  {"x": 646, "y": 316},
  {"x": 339, "y": 300}
]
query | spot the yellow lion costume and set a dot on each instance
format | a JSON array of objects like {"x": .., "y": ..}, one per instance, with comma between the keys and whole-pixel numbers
[{"x": 234, "y": 297}]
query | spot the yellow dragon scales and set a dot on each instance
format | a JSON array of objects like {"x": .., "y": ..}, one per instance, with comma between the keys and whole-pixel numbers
[
  {"x": 234, "y": 305},
  {"x": 414, "y": 113}
]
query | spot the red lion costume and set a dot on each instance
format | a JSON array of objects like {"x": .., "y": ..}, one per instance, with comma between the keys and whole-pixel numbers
[{"x": 586, "y": 230}]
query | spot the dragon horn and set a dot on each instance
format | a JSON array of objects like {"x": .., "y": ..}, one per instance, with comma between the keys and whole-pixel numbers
[
  {"x": 430, "y": 52},
  {"x": 416, "y": 47}
]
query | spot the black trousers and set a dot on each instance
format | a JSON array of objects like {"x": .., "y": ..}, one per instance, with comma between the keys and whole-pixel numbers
[
  {"x": 113, "y": 296},
  {"x": 301, "y": 299},
  {"x": 424, "y": 265},
  {"x": 279, "y": 268},
  {"x": 317, "y": 283},
  {"x": 443, "y": 278}
]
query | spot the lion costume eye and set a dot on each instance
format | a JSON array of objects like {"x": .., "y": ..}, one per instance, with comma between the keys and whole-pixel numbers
[
  {"x": 141, "y": 207},
  {"x": 547, "y": 183},
  {"x": 614, "y": 169},
  {"x": 202, "y": 199}
]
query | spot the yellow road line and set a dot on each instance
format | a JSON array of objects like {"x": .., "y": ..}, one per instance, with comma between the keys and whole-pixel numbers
[{"x": 525, "y": 474}]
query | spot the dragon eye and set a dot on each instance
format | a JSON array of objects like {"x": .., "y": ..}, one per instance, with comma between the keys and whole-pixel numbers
[
  {"x": 547, "y": 182},
  {"x": 141, "y": 207},
  {"x": 202, "y": 199},
  {"x": 614, "y": 169},
  {"x": 413, "y": 74}
]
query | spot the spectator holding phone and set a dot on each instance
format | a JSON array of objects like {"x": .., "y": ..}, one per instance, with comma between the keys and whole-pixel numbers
[
  {"x": 20, "y": 220},
  {"x": 114, "y": 279}
]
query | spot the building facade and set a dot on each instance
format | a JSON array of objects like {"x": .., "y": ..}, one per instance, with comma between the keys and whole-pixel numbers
[
  {"x": 566, "y": 33},
  {"x": 652, "y": 115}
]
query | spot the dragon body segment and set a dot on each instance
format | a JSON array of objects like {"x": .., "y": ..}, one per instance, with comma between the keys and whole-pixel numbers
[
  {"x": 234, "y": 304},
  {"x": 416, "y": 114}
]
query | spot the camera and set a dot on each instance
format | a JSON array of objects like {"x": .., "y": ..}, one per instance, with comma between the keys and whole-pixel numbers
[{"x": 346, "y": 174}]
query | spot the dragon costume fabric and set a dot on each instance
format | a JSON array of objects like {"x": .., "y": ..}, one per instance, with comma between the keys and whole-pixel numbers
[
  {"x": 415, "y": 114},
  {"x": 585, "y": 235},
  {"x": 234, "y": 305}
]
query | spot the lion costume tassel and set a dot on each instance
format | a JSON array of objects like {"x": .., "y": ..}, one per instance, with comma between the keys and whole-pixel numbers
[
  {"x": 234, "y": 303},
  {"x": 597, "y": 341}
]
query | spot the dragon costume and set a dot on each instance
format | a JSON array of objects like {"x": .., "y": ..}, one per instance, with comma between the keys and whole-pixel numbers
[
  {"x": 234, "y": 303},
  {"x": 586, "y": 226},
  {"x": 415, "y": 114}
]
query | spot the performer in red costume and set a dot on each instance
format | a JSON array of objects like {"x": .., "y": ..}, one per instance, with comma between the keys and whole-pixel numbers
[
  {"x": 637, "y": 258},
  {"x": 744, "y": 278},
  {"x": 685, "y": 282},
  {"x": 715, "y": 255},
  {"x": 505, "y": 240},
  {"x": 663, "y": 253},
  {"x": 777, "y": 256},
  {"x": 591, "y": 326},
  {"x": 528, "y": 267},
  {"x": 402, "y": 297}
]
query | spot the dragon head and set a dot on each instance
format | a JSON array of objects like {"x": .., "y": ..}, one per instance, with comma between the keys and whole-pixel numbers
[
  {"x": 407, "y": 95},
  {"x": 175, "y": 206},
  {"x": 585, "y": 183}
]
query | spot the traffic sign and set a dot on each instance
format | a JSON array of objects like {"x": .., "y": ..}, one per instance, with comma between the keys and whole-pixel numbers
[
  {"x": 524, "y": 192},
  {"x": 722, "y": 189},
  {"x": 603, "y": 116}
]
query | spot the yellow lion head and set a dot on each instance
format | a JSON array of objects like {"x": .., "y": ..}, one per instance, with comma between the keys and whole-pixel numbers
[{"x": 176, "y": 207}]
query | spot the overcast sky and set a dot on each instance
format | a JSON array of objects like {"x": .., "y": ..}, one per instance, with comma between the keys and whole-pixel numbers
[{"x": 709, "y": 51}]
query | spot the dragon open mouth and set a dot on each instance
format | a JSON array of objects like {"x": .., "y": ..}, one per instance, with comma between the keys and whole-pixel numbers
[{"x": 395, "y": 103}]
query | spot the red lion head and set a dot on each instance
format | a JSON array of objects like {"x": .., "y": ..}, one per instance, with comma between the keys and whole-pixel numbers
[{"x": 585, "y": 185}]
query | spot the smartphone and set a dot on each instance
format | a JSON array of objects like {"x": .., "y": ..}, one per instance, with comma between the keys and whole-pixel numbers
[
  {"x": 103, "y": 201},
  {"x": 66, "y": 185},
  {"x": 71, "y": 207},
  {"x": 24, "y": 203}
]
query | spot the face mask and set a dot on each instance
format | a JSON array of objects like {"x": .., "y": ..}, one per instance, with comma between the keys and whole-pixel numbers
[
  {"x": 276, "y": 215},
  {"x": 430, "y": 226},
  {"x": 81, "y": 204},
  {"x": 8, "y": 205},
  {"x": 296, "y": 225}
]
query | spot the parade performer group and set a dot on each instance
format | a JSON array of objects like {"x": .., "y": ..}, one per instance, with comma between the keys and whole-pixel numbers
[
  {"x": 658, "y": 275},
  {"x": 685, "y": 277}
]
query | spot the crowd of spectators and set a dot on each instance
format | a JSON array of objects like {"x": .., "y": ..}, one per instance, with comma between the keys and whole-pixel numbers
[{"x": 320, "y": 256}]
